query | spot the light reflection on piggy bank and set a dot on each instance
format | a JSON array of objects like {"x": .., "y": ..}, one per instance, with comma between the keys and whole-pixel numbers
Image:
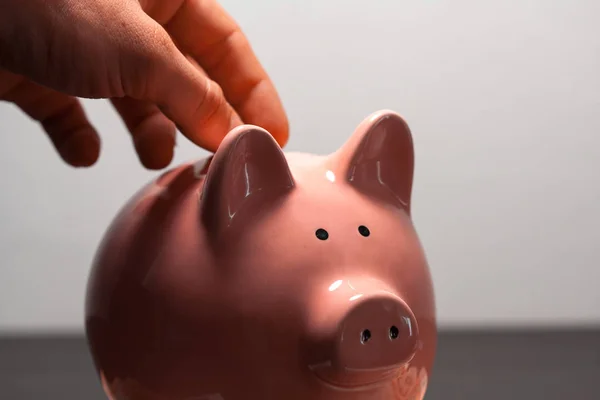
[{"x": 263, "y": 275}]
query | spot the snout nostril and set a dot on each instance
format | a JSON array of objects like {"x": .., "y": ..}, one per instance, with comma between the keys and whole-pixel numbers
[
  {"x": 394, "y": 332},
  {"x": 365, "y": 336}
]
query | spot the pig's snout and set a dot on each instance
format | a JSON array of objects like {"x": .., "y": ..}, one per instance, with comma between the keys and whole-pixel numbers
[
  {"x": 377, "y": 333},
  {"x": 375, "y": 339}
]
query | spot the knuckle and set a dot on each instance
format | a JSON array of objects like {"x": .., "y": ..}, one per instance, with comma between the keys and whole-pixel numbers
[
  {"x": 210, "y": 103},
  {"x": 218, "y": 53}
]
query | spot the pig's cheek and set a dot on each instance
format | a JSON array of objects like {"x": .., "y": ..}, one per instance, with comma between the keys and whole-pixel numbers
[
  {"x": 423, "y": 381},
  {"x": 420, "y": 387},
  {"x": 131, "y": 390},
  {"x": 112, "y": 391},
  {"x": 406, "y": 383},
  {"x": 125, "y": 390}
]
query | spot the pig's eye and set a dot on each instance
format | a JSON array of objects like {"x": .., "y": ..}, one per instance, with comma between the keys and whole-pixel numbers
[
  {"x": 321, "y": 234},
  {"x": 363, "y": 230},
  {"x": 394, "y": 332}
]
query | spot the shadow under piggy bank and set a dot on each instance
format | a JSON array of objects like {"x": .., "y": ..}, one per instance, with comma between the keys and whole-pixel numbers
[{"x": 262, "y": 275}]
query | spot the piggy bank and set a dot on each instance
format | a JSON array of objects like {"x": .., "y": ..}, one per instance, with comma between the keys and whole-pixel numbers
[{"x": 262, "y": 275}]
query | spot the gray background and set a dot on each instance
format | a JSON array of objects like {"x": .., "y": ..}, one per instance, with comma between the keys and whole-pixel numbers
[{"x": 503, "y": 100}]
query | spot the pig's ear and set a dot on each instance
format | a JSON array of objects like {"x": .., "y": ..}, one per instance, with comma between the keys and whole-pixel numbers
[
  {"x": 378, "y": 160},
  {"x": 247, "y": 174}
]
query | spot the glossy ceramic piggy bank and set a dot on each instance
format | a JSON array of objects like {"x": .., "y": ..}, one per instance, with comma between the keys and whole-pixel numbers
[{"x": 263, "y": 275}]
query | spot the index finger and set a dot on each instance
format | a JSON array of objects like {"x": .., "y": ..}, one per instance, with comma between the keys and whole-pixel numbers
[{"x": 205, "y": 31}]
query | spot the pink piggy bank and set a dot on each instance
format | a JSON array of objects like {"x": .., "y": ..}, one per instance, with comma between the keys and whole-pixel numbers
[{"x": 263, "y": 275}]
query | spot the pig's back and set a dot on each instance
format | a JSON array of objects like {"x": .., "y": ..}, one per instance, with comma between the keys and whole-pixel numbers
[
  {"x": 139, "y": 233},
  {"x": 159, "y": 221},
  {"x": 137, "y": 282}
]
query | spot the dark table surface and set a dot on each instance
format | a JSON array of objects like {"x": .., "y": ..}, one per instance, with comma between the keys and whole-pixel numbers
[{"x": 470, "y": 366}]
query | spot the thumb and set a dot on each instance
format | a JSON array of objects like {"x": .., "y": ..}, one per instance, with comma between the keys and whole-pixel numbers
[{"x": 154, "y": 69}]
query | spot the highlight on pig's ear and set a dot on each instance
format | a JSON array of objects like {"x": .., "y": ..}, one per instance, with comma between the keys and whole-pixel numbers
[
  {"x": 378, "y": 159},
  {"x": 247, "y": 173}
]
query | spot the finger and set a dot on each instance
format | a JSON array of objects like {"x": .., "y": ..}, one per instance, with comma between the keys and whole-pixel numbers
[
  {"x": 203, "y": 29},
  {"x": 153, "y": 69},
  {"x": 63, "y": 119},
  {"x": 152, "y": 132}
]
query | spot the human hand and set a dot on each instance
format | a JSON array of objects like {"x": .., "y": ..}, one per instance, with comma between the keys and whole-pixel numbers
[{"x": 163, "y": 63}]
